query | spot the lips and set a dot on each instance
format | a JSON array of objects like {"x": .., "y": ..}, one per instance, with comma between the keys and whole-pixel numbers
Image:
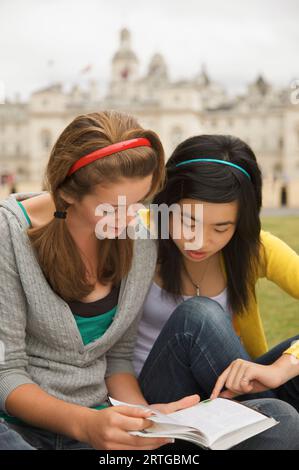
[{"x": 196, "y": 254}]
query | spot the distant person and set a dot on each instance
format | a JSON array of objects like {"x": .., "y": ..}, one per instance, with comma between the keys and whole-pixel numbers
[{"x": 13, "y": 189}]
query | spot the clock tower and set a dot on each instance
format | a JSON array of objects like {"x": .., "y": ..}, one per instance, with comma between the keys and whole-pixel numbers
[{"x": 124, "y": 63}]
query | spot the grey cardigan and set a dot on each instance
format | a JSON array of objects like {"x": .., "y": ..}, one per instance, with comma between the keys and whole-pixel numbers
[{"x": 40, "y": 339}]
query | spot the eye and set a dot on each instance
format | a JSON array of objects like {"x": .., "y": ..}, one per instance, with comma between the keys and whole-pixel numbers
[
  {"x": 188, "y": 225},
  {"x": 221, "y": 231},
  {"x": 108, "y": 212},
  {"x": 187, "y": 221}
]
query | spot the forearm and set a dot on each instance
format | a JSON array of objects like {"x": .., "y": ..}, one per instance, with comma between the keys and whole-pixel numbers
[
  {"x": 36, "y": 407},
  {"x": 287, "y": 366},
  {"x": 125, "y": 387}
]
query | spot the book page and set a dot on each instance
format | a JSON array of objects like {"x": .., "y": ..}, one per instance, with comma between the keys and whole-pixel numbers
[
  {"x": 213, "y": 418},
  {"x": 217, "y": 417},
  {"x": 207, "y": 422}
]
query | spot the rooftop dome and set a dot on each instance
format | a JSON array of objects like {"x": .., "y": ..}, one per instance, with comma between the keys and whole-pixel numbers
[{"x": 125, "y": 51}]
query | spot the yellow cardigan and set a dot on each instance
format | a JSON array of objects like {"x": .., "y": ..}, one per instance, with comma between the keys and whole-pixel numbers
[{"x": 279, "y": 264}]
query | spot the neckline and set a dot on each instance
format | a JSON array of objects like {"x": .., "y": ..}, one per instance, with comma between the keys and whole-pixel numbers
[
  {"x": 94, "y": 302},
  {"x": 189, "y": 296}
]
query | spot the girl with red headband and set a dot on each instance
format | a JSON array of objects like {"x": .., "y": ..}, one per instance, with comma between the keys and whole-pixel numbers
[{"x": 69, "y": 301}]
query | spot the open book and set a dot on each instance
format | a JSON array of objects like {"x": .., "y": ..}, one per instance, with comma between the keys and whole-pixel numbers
[{"x": 215, "y": 424}]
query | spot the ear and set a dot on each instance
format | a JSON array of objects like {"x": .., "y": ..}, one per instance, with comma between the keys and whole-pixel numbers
[{"x": 68, "y": 199}]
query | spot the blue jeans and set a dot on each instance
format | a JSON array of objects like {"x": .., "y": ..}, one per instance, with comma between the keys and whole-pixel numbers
[
  {"x": 24, "y": 436},
  {"x": 11, "y": 440},
  {"x": 195, "y": 346}
]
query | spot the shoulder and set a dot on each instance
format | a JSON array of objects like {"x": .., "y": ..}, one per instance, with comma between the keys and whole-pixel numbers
[
  {"x": 273, "y": 249},
  {"x": 11, "y": 218},
  {"x": 13, "y": 228},
  {"x": 266, "y": 237},
  {"x": 145, "y": 258},
  {"x": 146, "y": 248},
  {"x": 7, "y": 219},
  {"x": 271, "y": 242},
  {"x": 10, "y": 230},
  {"x": 39, "y": 208}
]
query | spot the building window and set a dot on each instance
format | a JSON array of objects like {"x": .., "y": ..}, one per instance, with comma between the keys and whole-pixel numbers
[
  {"x": 284, "y": 196},
  {"x": 277, "y": 170},
  {"x": 280, "y": 143}
]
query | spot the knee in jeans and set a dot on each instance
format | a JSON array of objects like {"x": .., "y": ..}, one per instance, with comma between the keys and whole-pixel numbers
[
  {"x": 273, "y": 407},
  {"x": 3, "y": 427},
  {"x": 198, "y": 311},
  {"x": 283, "y": 412}
]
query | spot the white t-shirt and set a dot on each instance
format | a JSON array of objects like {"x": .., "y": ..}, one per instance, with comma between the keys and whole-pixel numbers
[{"x": 156, "y": 312}]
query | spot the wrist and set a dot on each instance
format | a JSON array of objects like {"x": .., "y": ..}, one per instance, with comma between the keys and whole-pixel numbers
[
  {"x": 80, "y": 423},
  {"x": 284, "y": 367}
]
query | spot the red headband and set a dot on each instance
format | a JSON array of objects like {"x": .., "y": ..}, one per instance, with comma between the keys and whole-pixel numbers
[{"x": 104, "y": 152}]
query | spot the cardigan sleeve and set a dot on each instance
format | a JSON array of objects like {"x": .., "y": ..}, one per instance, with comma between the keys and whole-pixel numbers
[
  {"x": 13, "y": 314},
  {"x": 120, "y": 356},
  {"x": 293, "y": 350},
  {"x": 280, "y": 264}
]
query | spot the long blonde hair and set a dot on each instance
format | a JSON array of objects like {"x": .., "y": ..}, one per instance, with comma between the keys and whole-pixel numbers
[{"x": 56, "y": 250}]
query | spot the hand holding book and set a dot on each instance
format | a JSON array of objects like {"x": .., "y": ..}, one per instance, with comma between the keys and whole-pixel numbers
[{"x": 216, "y": 424}]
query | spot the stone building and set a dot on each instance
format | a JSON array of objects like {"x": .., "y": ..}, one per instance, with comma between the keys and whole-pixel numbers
[{"x": 263, "y": 116}]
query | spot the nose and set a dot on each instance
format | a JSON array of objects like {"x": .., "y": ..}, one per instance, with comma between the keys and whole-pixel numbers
[{"x": 206, "y": 239}]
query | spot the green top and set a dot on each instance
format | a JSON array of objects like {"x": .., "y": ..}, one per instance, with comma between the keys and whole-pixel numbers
[{"x": 92, "y": 328}]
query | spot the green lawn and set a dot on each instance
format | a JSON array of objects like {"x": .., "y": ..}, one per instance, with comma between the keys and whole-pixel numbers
[{"x": 280, "y": 312}]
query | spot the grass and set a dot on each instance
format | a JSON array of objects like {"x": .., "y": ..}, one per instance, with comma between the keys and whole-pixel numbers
[{"x": 279, "y": 311}]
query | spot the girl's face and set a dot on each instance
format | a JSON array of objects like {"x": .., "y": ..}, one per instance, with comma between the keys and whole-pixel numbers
[
  {"x": 218, "y": 225},
  {"x": 103, "y": 204}
]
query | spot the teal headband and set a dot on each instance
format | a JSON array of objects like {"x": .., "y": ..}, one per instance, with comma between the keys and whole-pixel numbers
[{"x": 222, "y": 162}]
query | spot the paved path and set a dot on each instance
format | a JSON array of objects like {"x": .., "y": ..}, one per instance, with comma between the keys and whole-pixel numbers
[{"x": 280, "y": 212}]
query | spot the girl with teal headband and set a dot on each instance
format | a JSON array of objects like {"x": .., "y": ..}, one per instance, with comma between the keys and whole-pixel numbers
[
  {"x": 214, "y": 160},
  {"x": 200, "y": 322}
]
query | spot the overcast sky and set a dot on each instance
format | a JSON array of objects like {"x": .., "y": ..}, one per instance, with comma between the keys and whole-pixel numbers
[{"x": 236, "y": 39}]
